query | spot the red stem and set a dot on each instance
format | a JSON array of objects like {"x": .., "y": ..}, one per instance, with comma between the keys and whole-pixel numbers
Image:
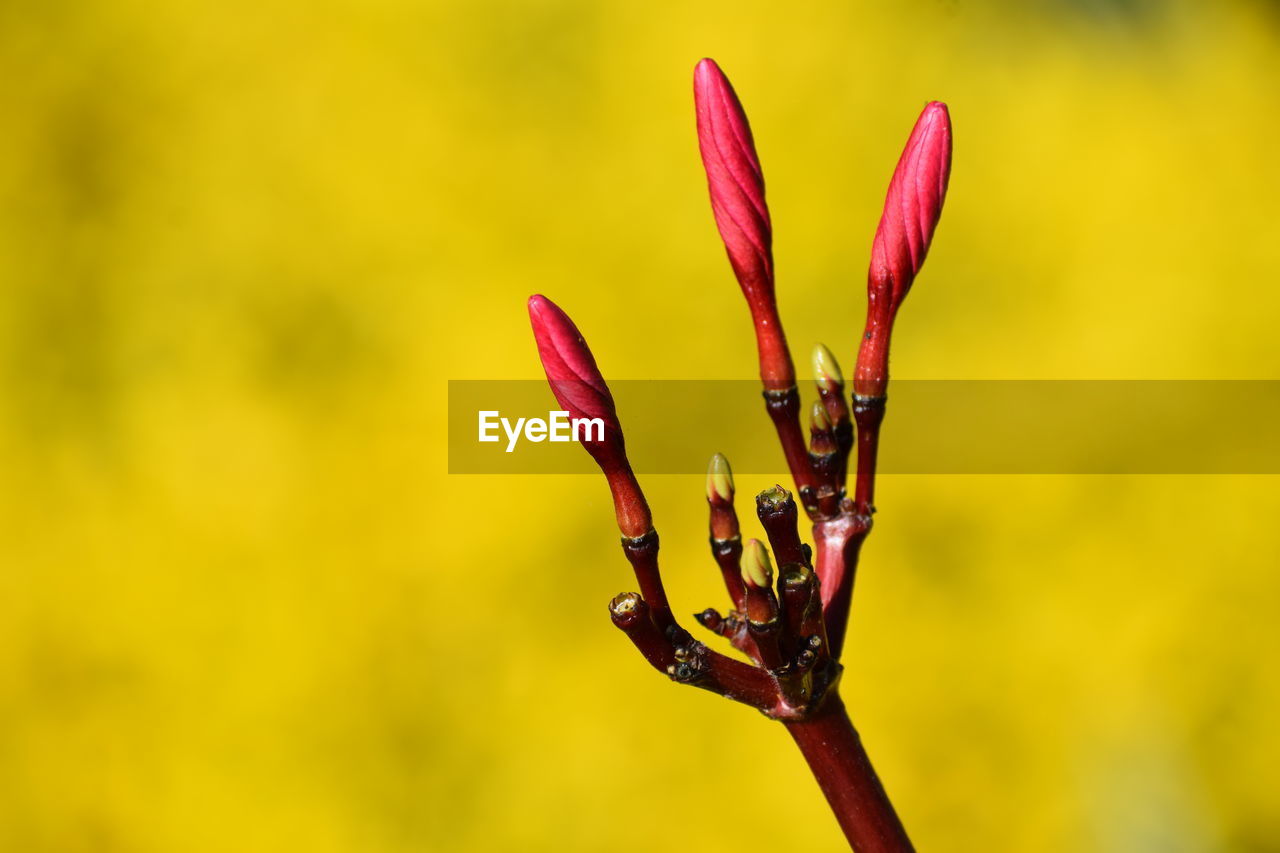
[
  {"x": 840, "y": 764},
  {"x": 838, "y": 541},
  {"x": 868, "y": 412},
  {"x": 784, "y": 410},
  {"x": 728, "y": 556},
  {"x": 642, "y": 553}
]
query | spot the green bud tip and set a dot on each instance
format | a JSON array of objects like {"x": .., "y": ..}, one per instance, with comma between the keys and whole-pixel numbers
[
  {"x": 818, "y": 420},
  {"x": 757, "y": 571},
  {"x": 719, "y": 479},
  {"x": 825, "y": 369}
]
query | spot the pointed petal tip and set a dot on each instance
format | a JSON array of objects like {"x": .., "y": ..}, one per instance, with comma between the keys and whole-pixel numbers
[
  {"x": 936, "y": 116},
  {"x": 538, "y": 304},
  {"x": 706, "y": 68}
]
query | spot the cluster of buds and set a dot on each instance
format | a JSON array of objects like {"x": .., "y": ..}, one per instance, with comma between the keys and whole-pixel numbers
[
  {"x": 912, "y": 207},
  {"x": 790, "y": 623}
]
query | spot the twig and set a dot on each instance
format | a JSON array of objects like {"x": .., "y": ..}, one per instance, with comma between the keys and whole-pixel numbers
[{"x": 794, "y": 637}]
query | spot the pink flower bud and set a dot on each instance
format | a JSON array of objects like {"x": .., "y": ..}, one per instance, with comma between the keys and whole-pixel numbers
[
  {"x": 581, "y": 391},
  {"x": 736, "y": 184},
  {"x": 570, "y": 367},
  {"x": 911, "y": 211},
  {"x": 912, "y": 206},
  {"x": 735, "y": 180}
]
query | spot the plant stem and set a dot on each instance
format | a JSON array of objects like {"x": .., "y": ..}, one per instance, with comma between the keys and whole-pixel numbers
[
  {"x": 838, "y": 541},
  {"x": 868, "y": 412},
  {"x": 784, "y": 410},
  {"x": 642, "y": 553},
  {"x": 834, "y": 751}
]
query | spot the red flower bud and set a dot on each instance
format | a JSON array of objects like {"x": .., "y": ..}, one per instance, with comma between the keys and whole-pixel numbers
[
  {"x": 735, "y": 181},
  {"x": 570, "y": 367},
  {"x": 581, "y": 391},
  {"x": 911, "y": 211},
  {"x": 913, "y": 205},
  {"x": 736, "y": 184}
]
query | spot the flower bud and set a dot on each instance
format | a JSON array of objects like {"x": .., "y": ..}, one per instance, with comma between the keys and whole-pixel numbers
[
  {"x": 823, "y": 446},
  {"x": 760, "y": 604},
  {"x": 757, "y": 570},
  {"x": 719, "y": 480},
  {"x": 735, "y": 180},
  {"x": 581, "y": 391},
  {"x": 723, "y": 522},
  {"x": 570, "y": 367},
  {"x": 912, "y": 206},
  {"x": 911, "y": 211},
  {"x": 736, "y": 184},
  {"x": 818, "y": 420},
  {"x": 826, "y": 371}
]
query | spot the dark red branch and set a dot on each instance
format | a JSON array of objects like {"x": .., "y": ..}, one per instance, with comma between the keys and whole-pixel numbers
[
  {"x": 739, "y": 681},
  {"x": 838, "y": 542},
  {"x": 777, "y": 512},
  {"x": 683, "y": 659},
  {"x": 784, "y": 410},
  {"x": 766, "y": 636},
  {"x": 726, "y": 539},
  {"x": 632, "y": 616},
  {"x": 728, "y": 556},
  {"x": 827, "y": 461},
  {"x": 836, "y": 756},
  {"x": 802, "y": 610},
  {"x": 642, "y": 553},
  {"x": 869, "y": 413}
]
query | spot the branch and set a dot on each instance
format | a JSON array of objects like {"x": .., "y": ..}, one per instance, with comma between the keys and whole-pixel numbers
[
  {"x": 794, "y": 636},
  {"x": 835, "y": 754}
]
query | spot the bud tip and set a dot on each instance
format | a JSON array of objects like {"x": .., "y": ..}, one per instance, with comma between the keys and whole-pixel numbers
[
  {"x": 705, "y": 64},
  {"x": 818, "y": 419},
  {"x": 826, "y": 370},
  {"x": 757, "y": 571},
  {"x": 719, "y": 479}
]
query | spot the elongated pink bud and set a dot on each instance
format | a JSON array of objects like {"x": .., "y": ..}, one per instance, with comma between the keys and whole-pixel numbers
[
  {"x": 735, "y": 181},
  {"x": 570, "y": 367},
  {"x": 911, "y": 211},
  {"x": 581, "y": 391},
  {"x": 913, "y": 204},
  {"x": 736, "y": 184}
]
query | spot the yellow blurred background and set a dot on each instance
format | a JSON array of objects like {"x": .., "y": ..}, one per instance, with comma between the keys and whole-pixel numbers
[{"x": 243, "y": 246}]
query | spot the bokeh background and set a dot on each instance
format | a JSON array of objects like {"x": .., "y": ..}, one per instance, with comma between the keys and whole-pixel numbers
[{"x": 243, "y": 245}]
